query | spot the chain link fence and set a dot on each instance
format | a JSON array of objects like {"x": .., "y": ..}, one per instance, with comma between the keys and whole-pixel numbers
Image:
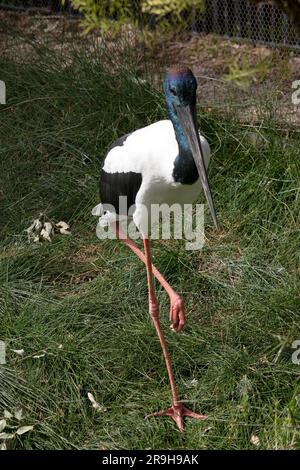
[
  {"x": 241, "y": 54},
  {"x": 239, "y": 19},
  {"x": 49, "y": 5},
  {"x": 39, "y": 6}
]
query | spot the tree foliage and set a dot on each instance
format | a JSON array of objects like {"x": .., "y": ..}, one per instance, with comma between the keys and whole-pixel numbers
[{"x": 172, "y": 13}]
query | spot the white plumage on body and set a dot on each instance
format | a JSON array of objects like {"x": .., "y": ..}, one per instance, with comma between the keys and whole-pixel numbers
[{"x": 151, "y": 152}]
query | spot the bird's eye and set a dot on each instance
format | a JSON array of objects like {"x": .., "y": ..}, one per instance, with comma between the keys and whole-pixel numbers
[{"x": 173, "y": 91}]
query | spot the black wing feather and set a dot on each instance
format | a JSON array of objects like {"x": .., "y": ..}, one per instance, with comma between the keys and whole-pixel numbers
[{"x": 114, "y": 185}]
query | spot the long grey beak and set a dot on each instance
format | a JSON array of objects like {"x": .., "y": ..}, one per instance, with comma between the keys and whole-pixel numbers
[{"x": 187, "y": 117}]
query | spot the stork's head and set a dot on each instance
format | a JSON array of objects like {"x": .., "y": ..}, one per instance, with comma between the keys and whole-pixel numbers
[{"x": 180, "y": 87}]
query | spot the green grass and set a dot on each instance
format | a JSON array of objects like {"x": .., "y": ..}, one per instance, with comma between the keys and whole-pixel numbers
[{"x": 83, "y": 302}]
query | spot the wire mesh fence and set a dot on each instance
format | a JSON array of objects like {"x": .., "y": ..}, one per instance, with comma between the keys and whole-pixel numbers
[
  {"x": 242, "y": 19},
  {"x": 239, "y": 19},
  {"x": 260, "y": 63},
  {"x": 43, "y": 6}
]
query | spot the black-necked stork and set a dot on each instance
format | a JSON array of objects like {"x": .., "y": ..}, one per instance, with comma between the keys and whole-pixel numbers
[{"x": 161, "y": 163}]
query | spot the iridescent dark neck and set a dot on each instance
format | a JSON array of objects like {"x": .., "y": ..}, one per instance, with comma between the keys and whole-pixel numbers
[
  {"x": 180, "y": 136},
  {"x": 185, "y": 170}
]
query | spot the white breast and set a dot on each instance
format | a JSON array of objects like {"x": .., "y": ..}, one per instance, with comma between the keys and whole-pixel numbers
[{"x": 151, "y": 151}]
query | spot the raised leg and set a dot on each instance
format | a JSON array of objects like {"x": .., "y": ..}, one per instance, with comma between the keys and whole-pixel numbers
[{"x": 177, "y": 311}]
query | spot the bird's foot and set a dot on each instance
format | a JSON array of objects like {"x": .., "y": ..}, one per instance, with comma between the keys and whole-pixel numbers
[
  {"x": 177, "y": 313},
  {"x": 177, "y": 412}
]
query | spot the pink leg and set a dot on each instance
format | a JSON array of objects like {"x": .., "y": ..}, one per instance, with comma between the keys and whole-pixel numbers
[
  {"x": 177, "y": 411},
  {"x": 177, "y": 311}
]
